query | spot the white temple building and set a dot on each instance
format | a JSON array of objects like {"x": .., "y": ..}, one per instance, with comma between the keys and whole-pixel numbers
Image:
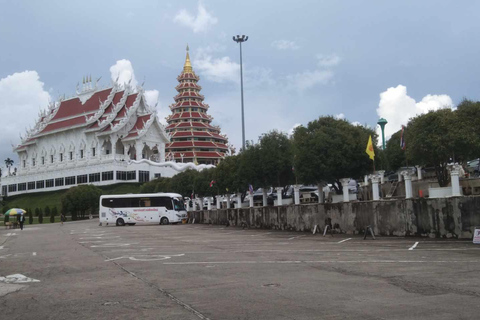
[{"x": 100, "y": 136}]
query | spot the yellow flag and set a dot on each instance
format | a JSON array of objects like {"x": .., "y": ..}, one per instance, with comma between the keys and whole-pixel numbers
[{"x": 369, "y": 149}]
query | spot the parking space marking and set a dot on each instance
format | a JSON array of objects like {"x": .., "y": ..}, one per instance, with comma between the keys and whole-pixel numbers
[
  {"x": 322, "y": 261},
  {"x": 295, "y": 237},
  {"x": 147, "y": 257},
  {"x": 344, "y": 240},
  {"x": 414, "y": 246}
]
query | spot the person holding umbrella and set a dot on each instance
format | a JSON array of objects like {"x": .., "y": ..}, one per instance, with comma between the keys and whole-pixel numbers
[{"x": 21, "y": 220}]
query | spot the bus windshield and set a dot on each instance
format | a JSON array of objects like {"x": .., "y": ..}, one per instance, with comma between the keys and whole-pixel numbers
[{"x": 178, "y": 204}]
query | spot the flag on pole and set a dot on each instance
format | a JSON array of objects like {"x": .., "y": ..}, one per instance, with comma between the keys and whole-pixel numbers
[
  {"x": 402, "y": 139},
  {"x": 212, "y": 183},
  {"x": 369, "y": 149}
]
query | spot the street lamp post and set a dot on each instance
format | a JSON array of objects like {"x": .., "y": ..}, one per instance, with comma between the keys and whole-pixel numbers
[{"x": 239, "y": 40}]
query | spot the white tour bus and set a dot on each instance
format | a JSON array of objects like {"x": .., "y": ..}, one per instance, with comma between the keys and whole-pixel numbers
[{"x": 163, "y": 208}]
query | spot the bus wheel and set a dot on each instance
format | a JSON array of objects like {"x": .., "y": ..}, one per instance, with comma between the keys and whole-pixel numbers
[
  {"x": 164, "y": 220},
  {"x": 120, "y": 222}
]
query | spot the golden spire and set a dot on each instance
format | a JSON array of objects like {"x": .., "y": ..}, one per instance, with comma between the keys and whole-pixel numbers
[{"x": 188, "y": 66}]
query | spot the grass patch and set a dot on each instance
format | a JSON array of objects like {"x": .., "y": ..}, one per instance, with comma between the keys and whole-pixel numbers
[{"x": 52, "y": 198}]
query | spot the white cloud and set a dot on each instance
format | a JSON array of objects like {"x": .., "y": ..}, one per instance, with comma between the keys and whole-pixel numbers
[
  {"x": 356, "y": 123},
  {"x": 328, "y": 61},
  {"x": 199, "y": 23},
  {"x": 397, "y": 107},
  {"x": 123, "y": 70},
  {"x": 215, "y": 69},
  {"x": 285, "y": 45},
  {"x": 308, "y": 79},
  {"x": 23, "y": 94},
  {"x": 339, "y": 116},
  {"x": 152, "y": 97},
  {"x": 292, "y": 130}
]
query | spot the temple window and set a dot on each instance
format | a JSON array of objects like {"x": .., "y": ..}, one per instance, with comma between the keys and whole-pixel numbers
[
  {"x": 43, "y": 161},
  {"x": 93, "y": 152},
  {"x": 70, "y": 155},
  {"x": 61, "y": 157},
  {"x": 51, "y": 158},
  {"x": 24, "y": 163},
  {"x": 81, "y": 154},
  {"x": 33, "y": 162}
]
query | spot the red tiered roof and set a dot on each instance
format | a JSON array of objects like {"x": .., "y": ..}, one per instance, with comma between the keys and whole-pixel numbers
[{"x": 186, "y": 98}]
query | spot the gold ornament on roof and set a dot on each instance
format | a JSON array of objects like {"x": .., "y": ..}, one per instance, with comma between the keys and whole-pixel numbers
[{"x": 188, "y": 65}]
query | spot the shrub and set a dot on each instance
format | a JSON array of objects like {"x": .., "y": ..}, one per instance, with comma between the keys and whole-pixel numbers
[
  {"x": 47, "y": 211},
  {"x": 37, "y": 212},
  {"x": 30, "y": 216},
  {"x": 40, "y": 216},
  {"x": 53, "y": 214}
]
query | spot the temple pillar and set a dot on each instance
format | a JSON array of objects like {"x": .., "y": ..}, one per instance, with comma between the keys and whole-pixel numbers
[
  {"x": 344, "y": 182},
  {"x": 209, "y": 204},
  {"x": 228, "y": 201},
  {"x": 365, "y": 180},
  {"x": 251, "y": 200},
  {"x": 219, "y": 202}
]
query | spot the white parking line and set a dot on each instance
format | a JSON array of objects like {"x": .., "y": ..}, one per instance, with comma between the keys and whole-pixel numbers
[
  {"x": 344, "y": 240},
  {"x": 414, "y": 246},
  {"x": 320, "y": 261},
  {"x": 295, "y": 237}
]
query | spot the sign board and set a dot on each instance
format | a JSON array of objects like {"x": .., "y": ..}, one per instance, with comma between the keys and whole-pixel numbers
[{"x": 476, "y": 235}]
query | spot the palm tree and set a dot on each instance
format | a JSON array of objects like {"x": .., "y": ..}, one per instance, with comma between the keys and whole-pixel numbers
[{"x": 8, "y": 163}]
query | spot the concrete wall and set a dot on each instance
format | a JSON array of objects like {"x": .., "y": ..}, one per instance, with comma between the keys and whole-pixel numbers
[{"x": 448, "y": 217}]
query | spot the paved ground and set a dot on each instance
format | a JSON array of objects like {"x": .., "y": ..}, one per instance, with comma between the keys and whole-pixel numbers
[{"x": 213, "y": 272}]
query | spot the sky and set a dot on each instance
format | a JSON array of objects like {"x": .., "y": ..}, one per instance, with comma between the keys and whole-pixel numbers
[{"x": 355, "y": 60}]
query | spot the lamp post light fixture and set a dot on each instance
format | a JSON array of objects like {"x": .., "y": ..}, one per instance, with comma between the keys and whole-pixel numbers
[
  {"x": 382, "y": 122},
  {"x": 240, "y": 39}
]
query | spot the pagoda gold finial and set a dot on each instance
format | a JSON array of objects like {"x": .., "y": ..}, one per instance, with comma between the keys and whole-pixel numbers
[{"x": 188, "y": 66}]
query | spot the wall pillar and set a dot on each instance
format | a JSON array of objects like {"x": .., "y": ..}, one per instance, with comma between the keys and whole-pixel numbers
[
  {"x": 209, "y": 204},
  {"x": 228, "y": 201},
  {"x": 344, "y": 182},
  {"x": 113, "y": 140},
  {"x": 454, "y": 174},
  {"x": 279, "y": 196},
  {"x": 419, "y": 172},
  {"x": 376, "y": 195},
  {"x": 365, "y": 181},
  {"x": 381, "y": 173},
  {"x": 408, "y": 184},
  {"x": 321, "y": 197},
  {"x": 219, "y": 202},
  {"x": 399, "y": 176},
  {"x": 296, "y": 193},
  {"x": 239, "y": 200},
  {"x": 264, "y": 197},
  {"x": 138, "y": 150},
  {"x": 251, "y": 200}
]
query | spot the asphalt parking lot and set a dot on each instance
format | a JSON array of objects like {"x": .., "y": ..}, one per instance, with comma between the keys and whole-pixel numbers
[{"x": 84, "y": 271}]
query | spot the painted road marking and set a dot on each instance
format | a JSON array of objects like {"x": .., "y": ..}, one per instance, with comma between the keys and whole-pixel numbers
[
  {"x": 320, "y": 261},
  {"x": 34, "y": 253},
  {"x": 1, "y": 247},
  {"x": 17, "y": 278},
  {"x": 295, "y": 237},
  {"x": 10, "y": 234},
  {"x": 414, "y": 246},
  {"x": 344, "y": 240},
  {"x": 147, "y": 257}
]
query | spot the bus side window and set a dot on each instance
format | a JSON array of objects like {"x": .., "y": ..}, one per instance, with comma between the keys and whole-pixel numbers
[
  {"x": 162, "y": 202},
  {"x": 145, "y": 202}
]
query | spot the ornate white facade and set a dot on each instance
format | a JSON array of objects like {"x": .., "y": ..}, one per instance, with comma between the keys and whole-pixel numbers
[{"x": 100, "y": 136}]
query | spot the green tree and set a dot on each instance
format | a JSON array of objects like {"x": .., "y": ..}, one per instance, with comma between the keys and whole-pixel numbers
[
  {"x": 156, "y": 185},
  {"x": 81, "y": 199},
  {"x": 37, "y": 212},
  {"x": 276, "y": 159},
  {"x": 30, "y": 216},
  {"x": 47, "y": 211},
  {"x": 437, "y": 138},
  {"x": 184, "y": 182},
  {"x": 40, "y": 216},
  {"x": 394, "y": 153},
  {"x": 468, "y": 113},
  {"x": 329, "y": 149},
  {"x": 227, "y": 176},
  {"x": 53, "y": 214},
  {"x": 9, "y": 163}
]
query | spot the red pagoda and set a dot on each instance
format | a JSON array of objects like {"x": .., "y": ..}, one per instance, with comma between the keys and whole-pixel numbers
[{"x": 193, "y": 138}]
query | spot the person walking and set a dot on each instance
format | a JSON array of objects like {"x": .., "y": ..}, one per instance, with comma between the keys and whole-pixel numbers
[
  {"x": 21, "y": 220},
  {"x": 62, "y": 218}
]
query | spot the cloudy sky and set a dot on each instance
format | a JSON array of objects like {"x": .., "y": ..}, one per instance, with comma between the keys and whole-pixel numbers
[{"x": 358, "y": 60}]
